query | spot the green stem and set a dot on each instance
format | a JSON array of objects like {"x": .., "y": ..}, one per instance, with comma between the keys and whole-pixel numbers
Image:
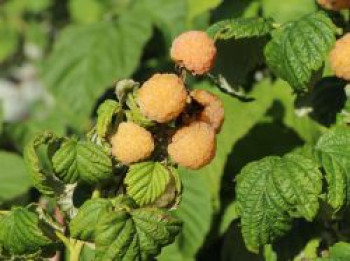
[
  {"x": 74, "y": 246},
  {"x": 64, "y": 239},
  {"x": 75, "y": 251}
]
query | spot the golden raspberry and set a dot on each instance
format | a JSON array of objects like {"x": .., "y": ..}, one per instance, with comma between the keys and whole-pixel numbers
[
  {"x": 131, "y": 143},
  {"x": 339, "y": 57},
  {"x": 162, "y": 98},
  {"x": 195, "y": 51},
  {"x": 335, "y": 5},
  {"x": 193, "y": 146},
  {"x": 213, "y": 112}
]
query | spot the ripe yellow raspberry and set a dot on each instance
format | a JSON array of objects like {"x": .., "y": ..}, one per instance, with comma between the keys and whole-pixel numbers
[
  {"x": 195, "y": 51},
  {"x": 213, "y": 112},
  {"x": 335, "y": 5},
  {"x": 162, "y": 98},
  {"x": 339, "y": 57},
  {"x": 131, "y": 143},
  {"x": 193, "y": 146}
]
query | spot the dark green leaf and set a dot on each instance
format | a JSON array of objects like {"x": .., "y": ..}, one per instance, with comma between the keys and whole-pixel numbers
[
  {"x": 21, "y": 232},
  {"x": 298, "y": 49},
  {"x": 240, "y": 28},
  {"x": 82, "y": 160},
  {"x": 333, "y": 153},
  {"x": 134, "y": 234},
  {"x": 42, "y": 177},
  {"x": 271, "y": 191},
  {"x": 82, "y": 226}
]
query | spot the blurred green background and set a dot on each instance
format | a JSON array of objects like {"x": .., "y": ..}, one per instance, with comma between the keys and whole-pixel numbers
[{"x": 60, "y": 58}]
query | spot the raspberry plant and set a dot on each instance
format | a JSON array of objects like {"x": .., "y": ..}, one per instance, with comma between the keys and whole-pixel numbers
[{"x": 169, "y": 167}]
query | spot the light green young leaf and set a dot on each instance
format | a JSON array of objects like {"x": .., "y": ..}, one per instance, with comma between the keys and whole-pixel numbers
[
  {"x": 42, "y": 177},
  {"x": 240, "y": 28},
  {"x": 87, "y": 59},
  {"x": 147, "y": 181},
  {"x": 271, "y": 191},
  {"x": 134, "y": 234},
  {"x": 298, "y": 49},
  {"x": 135, "y": 115},
  {"x": 333, "y": 153},
  {"x": 21, "y": 232},
  {"x": 105, "y": 114},
  {"x": 82, "y": 160},
  {"x": 82, "y": 226},
  {"x": 14, "y": 179}
]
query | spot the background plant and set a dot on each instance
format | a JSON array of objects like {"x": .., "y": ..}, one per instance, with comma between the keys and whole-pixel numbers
[{"x": 79, "y": 53}]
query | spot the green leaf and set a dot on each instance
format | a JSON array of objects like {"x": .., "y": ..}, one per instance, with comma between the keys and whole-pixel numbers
[
  {"x": 21, "y": 232},
  {"x": 298, "y": 49},
  {"x": 134, "y": 234},
  {"x": 8, "y": 40},
  {"x": 240, "y": 28},
  {"x": 82, "y": 160},
  {"x": 147, "y": 181},
  {"x": 282, "y": 12},
  {"x": 79, "y": 73},
  {"x": 197, "y": 7},
  {"x": 14, "y": 180},
  {"x": 271, "y": 191},
  {"x": 1, "y": 118},
  {"x": 302, "y": 124},
  {"x": 340, "y": 252},
  {"x": 83, "y": 225},
  {"x": 105, "y": 114},
  {"x": 135, "y": 115},
  {"x": 37, "y": 6},
  {"x": 168, "y": 15},
  {"x": 86, "y": 11},
  {"x": 196, "y": 212},
  {"x": 231, "y": 214},
  {"x": 333, "y": 153},
  {"x": 42, "y": 177}
]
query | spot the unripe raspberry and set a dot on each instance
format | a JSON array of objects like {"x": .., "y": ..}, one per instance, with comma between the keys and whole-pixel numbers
[
  {"x": 131, "y": 143},
  {"x": 162, "y": 98},
  {"x": 335, "y": 5},
  {"x": 195, "y": 51},
  {"x": 339, "y": 57},
  {"x": 193, "y": 146},
  {"x": 213, "y": 112}
]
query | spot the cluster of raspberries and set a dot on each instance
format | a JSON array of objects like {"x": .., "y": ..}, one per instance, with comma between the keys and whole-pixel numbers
[{"x": 164, "y": 99}]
